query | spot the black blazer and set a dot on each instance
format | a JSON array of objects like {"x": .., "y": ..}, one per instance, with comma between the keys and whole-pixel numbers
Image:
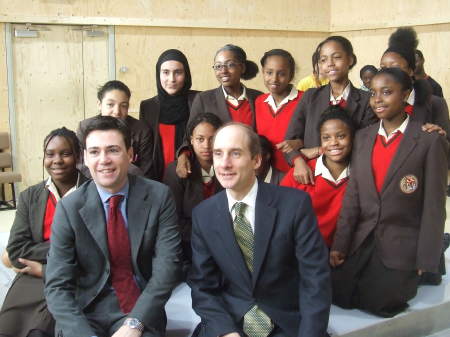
[
  {"x": 290, "y": 281},
  {"x": 314, "y": 102},
  {"x": 149, "y": 112}
]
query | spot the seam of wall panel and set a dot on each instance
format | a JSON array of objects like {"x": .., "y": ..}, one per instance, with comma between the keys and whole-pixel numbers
[
  {"x": 11, "y": 98},
  {"x": 111, "y": 53}
]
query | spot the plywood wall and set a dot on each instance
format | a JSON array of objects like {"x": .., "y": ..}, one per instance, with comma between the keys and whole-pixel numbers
[
  {"x": 347, "y": 15},
  {"x": 138, "y": 48},
  {"x": 299, "y": 15},
  {"x": 55, "y": 79},
  {"x": 434, "y": 41}
]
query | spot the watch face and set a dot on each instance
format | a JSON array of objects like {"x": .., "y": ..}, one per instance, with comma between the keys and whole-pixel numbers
[{"x": 134, "y": 323}]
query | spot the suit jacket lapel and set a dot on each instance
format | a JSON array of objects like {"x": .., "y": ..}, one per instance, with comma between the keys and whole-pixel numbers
[
  {"x": 222, "y": 109},
  {"x": 265, "y": 217},
  {"x": 407, "y": 144},
  {"x": 137, "y": 216},
  {"x": 93, "y": 216},
  {"x": 223, "y": 225}
]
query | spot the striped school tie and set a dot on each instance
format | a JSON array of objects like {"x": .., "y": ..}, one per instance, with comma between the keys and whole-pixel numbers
[{"x": 256, "y": 322}]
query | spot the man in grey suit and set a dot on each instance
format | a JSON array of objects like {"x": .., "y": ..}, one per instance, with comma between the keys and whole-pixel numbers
[
  {"x": 115, "y": 252},
  {"x": 259, "y": 263}
]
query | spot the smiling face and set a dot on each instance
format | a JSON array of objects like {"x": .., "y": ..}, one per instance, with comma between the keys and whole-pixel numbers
[
  {"x": 233, "y": 163},
  {"x": 108, "y": 159},
  {"x": 230, "y": 74},
  {"x": 277, "y": 75},
  {"x": 201, "y": 141},
  {"x": 334, "y": 61},
  {"x": 336, "y": 140},
  {"x": 387, "y": 97},
  {"x": 115, "y": 103},
  {"x": 394, "y": 60},
  {"x": 59, "y": 160},
  {"x": 172, "y": 76}
]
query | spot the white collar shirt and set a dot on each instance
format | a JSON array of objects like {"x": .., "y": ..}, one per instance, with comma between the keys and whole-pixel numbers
[
  {"x": 249, "y": 200},
  {"x": 322, "y": 170},
  {"x": 271, "y": 101},
  {"x": 401, "y": 128},
  {"x": 50, "y": 185},
  {"x": 233, "y": 100},
  {"x": 344, "y": 95}
]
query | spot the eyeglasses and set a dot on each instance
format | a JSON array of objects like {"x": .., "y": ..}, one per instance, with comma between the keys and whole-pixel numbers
[{"x": 228, "y": 66}]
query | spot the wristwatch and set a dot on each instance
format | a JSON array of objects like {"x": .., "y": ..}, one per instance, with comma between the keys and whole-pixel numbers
[{"x": 134, "y": 323}]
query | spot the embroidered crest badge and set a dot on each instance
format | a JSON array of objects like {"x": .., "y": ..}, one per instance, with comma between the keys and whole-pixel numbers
[{"x": 409, "y": 184}]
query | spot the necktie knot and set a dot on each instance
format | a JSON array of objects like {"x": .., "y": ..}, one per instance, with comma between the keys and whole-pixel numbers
[
  {"x": 240, "y": 208},
  {"x": 115, "y": 200}
]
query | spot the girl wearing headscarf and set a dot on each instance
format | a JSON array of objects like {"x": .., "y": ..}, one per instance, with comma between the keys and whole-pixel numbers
[{"x": 168, "y": 112}]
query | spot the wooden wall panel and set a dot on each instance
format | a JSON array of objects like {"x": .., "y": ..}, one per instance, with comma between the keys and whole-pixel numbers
[
  {"x": 298, "y": 15},
  {"x": 4, "y": 115},
  {"x": 138, "y": 48},
  {"x": 349, "y": 15},
  {"x": 434, "y": 41},
  {"x": 51, "y": 73},
  {"x": 48, "y": 91},
  {"x": 95, "y": 68}
]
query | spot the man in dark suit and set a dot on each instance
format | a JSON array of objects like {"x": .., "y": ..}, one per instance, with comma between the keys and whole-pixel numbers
[
  {"x": 259, "y": 264},
  {"x": 114, "y": 257}
]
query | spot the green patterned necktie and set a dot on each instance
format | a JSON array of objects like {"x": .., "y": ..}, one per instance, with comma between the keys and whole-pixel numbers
[{"x": 256, "y": 322}]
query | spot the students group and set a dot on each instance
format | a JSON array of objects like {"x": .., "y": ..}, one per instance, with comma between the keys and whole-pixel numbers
[{"x": 373, "y": 161}]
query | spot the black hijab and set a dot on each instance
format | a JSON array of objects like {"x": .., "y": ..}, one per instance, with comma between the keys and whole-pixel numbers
[{"x": 174, "y": 109}]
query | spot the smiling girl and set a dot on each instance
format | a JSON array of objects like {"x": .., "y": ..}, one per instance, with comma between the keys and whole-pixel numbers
[
  {"x": 422, "y": 105},
  {"x": 274, "y": 109},
  {"x": 391, "y": 225},
  {"x": 336, "y": 59},
  {"x": 114, "y": 100},
  {"x": 168, "y": 112},
  {"x": 331, "y": 170},
  {"x": 231, "y": 101},
  {"x": 24, "y": 312}
]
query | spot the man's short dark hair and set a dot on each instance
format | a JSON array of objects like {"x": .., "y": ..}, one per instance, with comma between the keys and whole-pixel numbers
[
  {"x": 104, "y": 123},
  {"x": 253, "y": 139}
]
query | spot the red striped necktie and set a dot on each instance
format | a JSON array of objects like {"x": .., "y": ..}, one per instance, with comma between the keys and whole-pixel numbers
[{"x": 122, "y": 278}]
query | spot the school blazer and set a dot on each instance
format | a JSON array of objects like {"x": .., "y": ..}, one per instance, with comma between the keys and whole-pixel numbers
[
  {"x": 213, "y": 101},
  {"x": 290, "y": 280},
  {"x": 408, "y": 215},
  {"x": 188, "y": 193},
  {"x": 26, "y": 235},
  {"x": 149, "y": 113},
  {"x": 314, "y": 102}
]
